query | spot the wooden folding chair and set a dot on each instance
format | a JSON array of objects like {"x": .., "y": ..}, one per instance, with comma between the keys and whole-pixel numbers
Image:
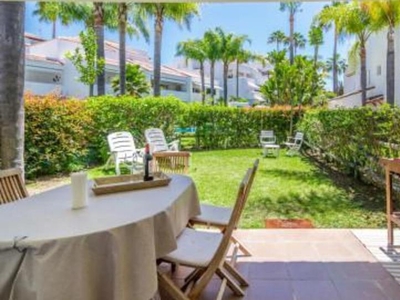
[
  {"x": 206, "y": 252},
  {"x": 12, "y": 187},
  {"x": 218, "y": 216}
]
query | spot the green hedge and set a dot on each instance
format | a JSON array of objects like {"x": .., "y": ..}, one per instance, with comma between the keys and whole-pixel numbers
[
  {"x": 354, "y": 138},
  {"x": 68, "y": 135}
]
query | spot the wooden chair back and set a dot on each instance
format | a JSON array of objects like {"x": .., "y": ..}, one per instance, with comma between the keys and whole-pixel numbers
[
  {"x": 171, "y": 162},
  {"x": 219, "y": 257},
  {"x": 12, "y": 187}
]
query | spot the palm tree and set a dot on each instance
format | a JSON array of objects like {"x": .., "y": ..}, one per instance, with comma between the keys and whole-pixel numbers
[
  {"x": 299, "y": 42},
  {"x": 277, "y": 37},
  {"x": 316, "y": 39},
  {"x": 386, "y": 14},
  {"x": 212, "y": 46},
  {"x": 48, "y": 12},
  {"x": 196, "y": 50},
  {"x": 98, "y": 14},
  {"x": 231, "y": 46},
  {"x": 355, "y": 20},
  {"x": 12, "y": 63},
  {"x": 178, "y": 12},
  {"x": 328, "y": 17},
  {"x": 292, "y": 8},
  {"x": 128, "y": 14}
]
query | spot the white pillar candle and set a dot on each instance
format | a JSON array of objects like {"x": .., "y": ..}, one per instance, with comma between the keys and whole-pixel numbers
[{"x": 79, "y": 190}]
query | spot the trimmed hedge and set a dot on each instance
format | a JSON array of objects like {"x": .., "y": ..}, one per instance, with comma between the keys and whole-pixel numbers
[
  {"x": 354, "y": 138},
  {"x": 68, "y": 135}
]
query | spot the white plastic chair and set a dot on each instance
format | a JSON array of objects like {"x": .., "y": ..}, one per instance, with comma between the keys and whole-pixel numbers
[
  {"x": 123, "y": 150},
  {"x": 294, "y": 143},
  {"x": 267, "y": 137},
  {"x": 155, "y": 137}
]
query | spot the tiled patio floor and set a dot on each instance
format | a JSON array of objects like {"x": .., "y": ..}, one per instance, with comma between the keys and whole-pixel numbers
[{"x": 308, "y": 264}]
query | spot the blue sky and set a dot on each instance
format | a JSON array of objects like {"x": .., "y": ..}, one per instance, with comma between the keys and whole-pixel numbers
[{"x": 257, "y": 20}]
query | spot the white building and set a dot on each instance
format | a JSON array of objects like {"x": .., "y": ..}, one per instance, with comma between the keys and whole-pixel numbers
[
  {"x": 251, "y": 77},
  {"x": 376, "y": 74},
  {"x": 47, "y": 70}
]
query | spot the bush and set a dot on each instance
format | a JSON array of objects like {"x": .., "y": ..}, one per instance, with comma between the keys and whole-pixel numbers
[
  {"x": 357, "y": 137},
  {"x": 55, "y": 135},
  {"x": 226, "y": 127},
  {"x": 68, "y": 135},
  {"x": 112, "y": 114}
]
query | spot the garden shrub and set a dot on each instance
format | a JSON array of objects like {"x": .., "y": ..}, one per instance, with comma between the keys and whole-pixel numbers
[
  {"x": 110, "y": 114},
  {"x": 68, "y": 135},
  {"x": 55, "y": 135},
  {"x": 226, "y": 127},
  {"x": 356, "y": 138}
]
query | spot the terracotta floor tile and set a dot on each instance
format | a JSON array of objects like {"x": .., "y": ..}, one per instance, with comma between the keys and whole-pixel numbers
[
  {"x": 359, "y": 290},
  {"x": 270, "y": 290},
  {"x": 390, "y": 288},
  {"x": 356, "y": 271},
  {"x": 315, "y": 290},
  {"x": 334, "y": 251},
  {"x": 268, "y": 270},
  {"x": 307, "y": 271},
  {"x": 301, "y": 251}
]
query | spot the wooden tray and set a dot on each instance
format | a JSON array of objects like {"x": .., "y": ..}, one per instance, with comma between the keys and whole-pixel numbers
[{"x": 114, "y": 184}]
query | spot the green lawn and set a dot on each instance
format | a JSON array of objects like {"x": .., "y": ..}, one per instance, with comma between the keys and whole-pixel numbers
[{"x": 286, "y": 187}]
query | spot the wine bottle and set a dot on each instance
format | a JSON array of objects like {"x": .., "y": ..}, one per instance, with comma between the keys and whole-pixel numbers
[{"x": 146, "y": 160}]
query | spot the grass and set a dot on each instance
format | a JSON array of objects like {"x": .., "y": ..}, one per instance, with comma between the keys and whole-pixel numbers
[
  {"x": 288, "y": 187},
  {"x": 284, "y": 187}
]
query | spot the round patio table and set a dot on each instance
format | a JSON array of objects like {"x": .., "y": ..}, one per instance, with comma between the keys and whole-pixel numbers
[{"x": 107, "y": 250}]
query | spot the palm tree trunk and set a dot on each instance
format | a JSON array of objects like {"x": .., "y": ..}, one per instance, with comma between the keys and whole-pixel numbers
[
  {"x": 158, "y": 29},
  {"x": 12, "y": 66},
  {"x": 291, "y": 46},
  {"x": 54, "y": 29},
  {"x": 123, "y": 17},
  {"x": 91, "y": 90},
  {"x": 237, "y": 79},
  {"x": 334, "y": 63},
  {"x": 363, "y": 75},
  {"x": 225, "y": 74},
  {"x": 390, "y": 72},
  {"x": 99, "y": 29},
  {"x": 277, "y": 45},
  {"x": 212, "y": 69},
  {"x": 203, "y": 86},
  {"x": 316, "y": 55}
]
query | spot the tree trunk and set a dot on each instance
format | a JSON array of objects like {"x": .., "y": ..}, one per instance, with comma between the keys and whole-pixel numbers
[
  {"x": 158, "y": 29},
  {"x": 291, "y": 46},
  {"x": 334, "y": 63},
  {"x": 123, "y": 17},
  {"x": 237, "y": 79},
  {"x": 315, "y": 55},
  {"x": 54, "y": 29},
  {"x": 277, "y": 46},
  {"x": 363, "y": 75},
  {"x": 203, "y": 86},
  {"x": 99, "y": 29},
  {"x": 390, "y": 72},
  {"x": 12, "y": 66},
  {"x": 225, "y": 74},
  {"x": 212, "y": 65},
  {"x": 91, "y": 90}
]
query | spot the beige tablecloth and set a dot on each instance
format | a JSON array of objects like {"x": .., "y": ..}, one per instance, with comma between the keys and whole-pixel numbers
[{"x": 107, "y": 250}]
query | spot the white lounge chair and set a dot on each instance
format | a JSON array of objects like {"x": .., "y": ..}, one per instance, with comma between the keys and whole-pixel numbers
[
  {"x": 155, "y": 137},
  {"x": 294, "y": 143},
  {"x": 268, "y": 143},
  {"x": 267, "y": 137},
  {"x": 123, "y": 150}
]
